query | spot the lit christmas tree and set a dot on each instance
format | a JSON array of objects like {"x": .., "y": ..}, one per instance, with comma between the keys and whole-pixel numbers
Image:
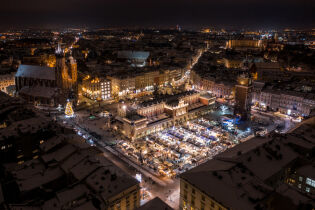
[{"x": 69, "y": 111}]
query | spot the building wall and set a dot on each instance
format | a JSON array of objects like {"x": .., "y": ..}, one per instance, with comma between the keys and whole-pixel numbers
[
  {"x": 244, "y": 44},
  {"x": 143, "y": 82},
  {"x": 128, "y": 199},
  {"x": 134, "y": 130},
  {"x": 192, "y": 198},
  {"x": 23, "y": 81},
  {"x": 6, "y": 80},
  {"x": 303, "y": 183},
  {"x": 220, "y": 90},
  {"x": 243, "y": 99},
  {"x": 282, "y": 102},
  {"x": 97, "y": 88},
  {"x": 153, "y": 110}
]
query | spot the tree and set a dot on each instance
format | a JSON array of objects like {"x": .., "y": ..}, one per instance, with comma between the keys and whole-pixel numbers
[{"x": 69, "y": 111}]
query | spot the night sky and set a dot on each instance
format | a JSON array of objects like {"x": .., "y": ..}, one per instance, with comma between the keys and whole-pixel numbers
[{"x": 265, "y": 14}]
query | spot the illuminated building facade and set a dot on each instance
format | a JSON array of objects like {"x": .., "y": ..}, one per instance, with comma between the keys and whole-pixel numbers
[
  {"x": 6, "y": 80},
  {"x": 303, "y": 179},
  {"x": 96, "y": 88},
  {"x": 222, "y": 89},
  {"x": 243, "y": 96},
  {"x": 286, "y": 102},
  {"x": 244, "y": 44},
  {"x": 231, "y": 63},
  {"x": 66, "y": 71},
  {"x": 162, "y": 113},
  {"x": 144, "y": 81}
]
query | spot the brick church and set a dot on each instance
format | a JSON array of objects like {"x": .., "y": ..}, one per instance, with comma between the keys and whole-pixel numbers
[{"x": 44, "y": 85}]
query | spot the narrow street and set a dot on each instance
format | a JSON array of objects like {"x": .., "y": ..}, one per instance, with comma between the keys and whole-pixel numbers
[{"x": 165, "y": 188}]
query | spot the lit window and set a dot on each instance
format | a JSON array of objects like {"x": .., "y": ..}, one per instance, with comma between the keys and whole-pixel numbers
[
  {"x": 310, "y": 182},
  {"x": 300, "y": 179},
  {"x": 299, "y": 186},
  {"x": 307, "y": 189}
]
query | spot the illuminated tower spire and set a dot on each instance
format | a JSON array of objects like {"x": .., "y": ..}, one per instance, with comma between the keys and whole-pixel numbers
[{"x": 58, "y": 50}]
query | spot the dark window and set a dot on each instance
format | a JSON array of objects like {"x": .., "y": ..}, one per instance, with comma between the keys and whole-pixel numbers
[{"x": 203, "y": 198}]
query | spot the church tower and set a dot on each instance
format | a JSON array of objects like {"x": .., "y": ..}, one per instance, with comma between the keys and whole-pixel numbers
[
  {"x": 60, "y": 65},
  {"x": 243, "y": 96},
  {"x": 74, "y": 71}
]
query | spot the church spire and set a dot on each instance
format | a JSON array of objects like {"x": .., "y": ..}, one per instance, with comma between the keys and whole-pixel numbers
[{"x": 59, "y": 51}]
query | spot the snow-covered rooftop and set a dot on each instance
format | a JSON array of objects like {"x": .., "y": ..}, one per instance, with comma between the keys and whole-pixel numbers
[
  {"x": 40, "y": 179},
  {"x": 59, "y": 154},
  {"x": 109, "y": 181},
  {"x": 72, "y": 194},
  {"x": 231, "y": 185},
  {"x": 85, "y": 206},
  {"x": 38, "y": 72},
  {"x": 307, "y": 171},
  {"x": 155, "y": 204},
  {"x": 51, "y": 143}
]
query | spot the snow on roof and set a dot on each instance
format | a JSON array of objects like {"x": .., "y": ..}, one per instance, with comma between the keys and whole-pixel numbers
[
  {"x": 38, "y": 180},
  {"x": 273, "y": 156},
  {"x": 294, "y": 195},
  {"x": 38, "y": 91},
  {"x": 85, "y": 206},
  {"x": 51, "y": 143},
  {"x": 52, "y": 204},
  {"x": 11, "y": 167},
  {"x": 233, "y": 186},
  {"x": 84, "y": 168},
  {"x": 30, "y": 125},
  {"x": 307, "y": 131},
  {"x": 29, "y": 170},
  {"x": 133, "y": 54},
  {"x": 38, "y": 72},
  {"x": 59, "y": 154},
  {"x": 155, "y": 204},
  {"x": 298, "y": 141},
  {"x": 110, "y": 181},
  {"x": 244, "y": 147},
  {"x": 76, "y": 158},
  {"x": 78, "y": 141},
  {"x": 307, "y": 171},
  {"x": 72, "y": 194}
]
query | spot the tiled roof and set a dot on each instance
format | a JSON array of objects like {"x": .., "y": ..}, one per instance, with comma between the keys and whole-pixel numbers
[{"x": 38, "y": 72}]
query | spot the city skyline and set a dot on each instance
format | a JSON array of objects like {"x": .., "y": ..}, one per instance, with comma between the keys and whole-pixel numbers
[
  {"x": 188, "y": 14},
  {"x": 142, "y": 105}
]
